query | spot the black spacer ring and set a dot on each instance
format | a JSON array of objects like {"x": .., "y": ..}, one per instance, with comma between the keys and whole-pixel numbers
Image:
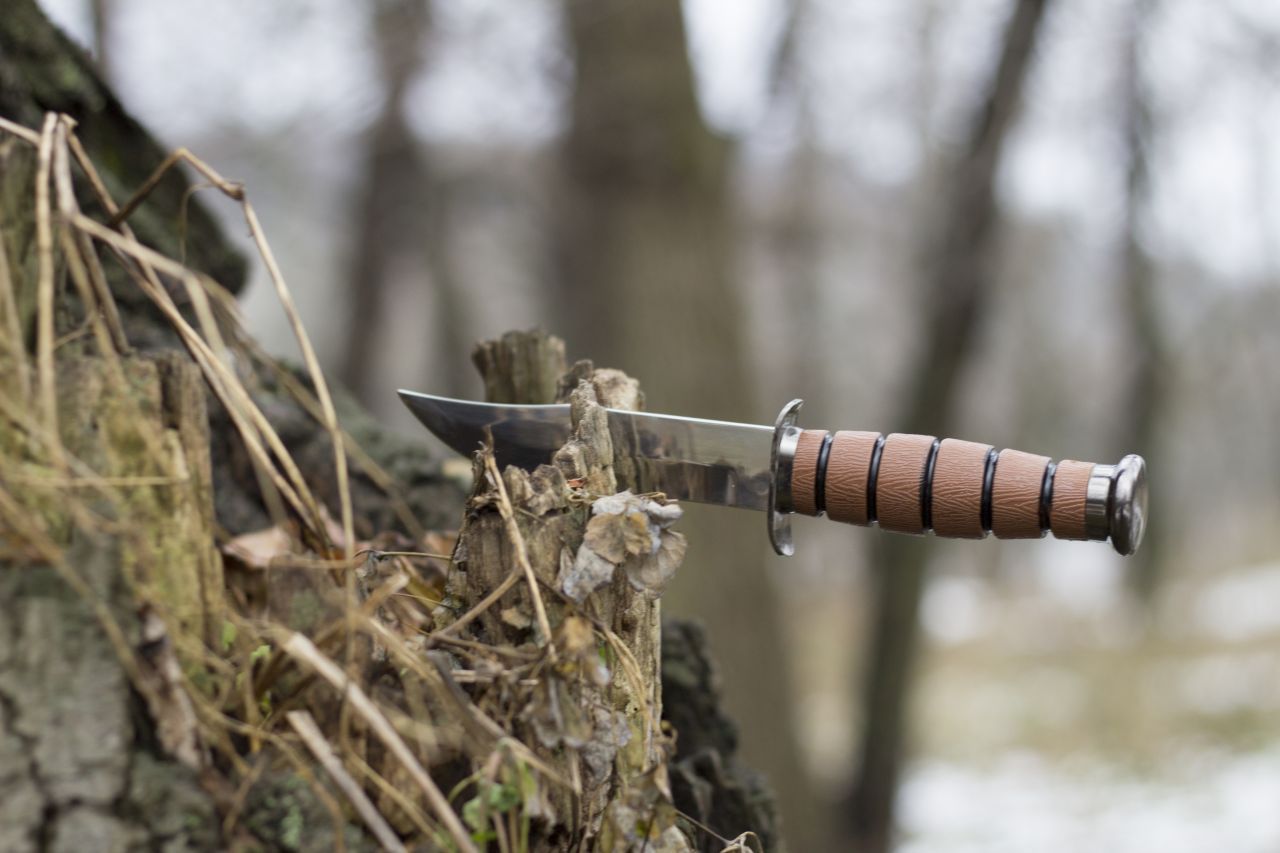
[
  {"x": 820, "y": 484},
  {"x": 988, "y": 486},
  {"x": 926, "y": 486},
  {"x": 872, "y": 476},
  {"x": 1046, "y": 495}
]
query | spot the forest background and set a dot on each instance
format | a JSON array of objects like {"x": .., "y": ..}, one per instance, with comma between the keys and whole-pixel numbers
[{"x": 1050, "y": 224}]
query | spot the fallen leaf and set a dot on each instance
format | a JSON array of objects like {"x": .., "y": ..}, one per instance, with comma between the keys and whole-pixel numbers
[
  {"x": 585, "y": 574},
  {"x": 615, "y": 536},
  {"x": 629, "y": 531},
  {"x": 516, "y": 618},
  {"x": 577, "y": 637},
  {"x": 651, "y": 573},
  {"x": 256, "y": 550}
]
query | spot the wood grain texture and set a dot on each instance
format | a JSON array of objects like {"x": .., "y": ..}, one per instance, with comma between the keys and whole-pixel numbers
[
  {"x": 1066, "y": 512},
  {"x": 957, "y": 489},
  {"x": 1015, "y": 498},
  {"x": 804, "y": 473},
  {"x": 901, "y": 480},
  {"x": 848, "y": 467}
]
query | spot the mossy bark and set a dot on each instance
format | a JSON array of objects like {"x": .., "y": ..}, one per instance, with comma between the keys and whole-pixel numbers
[{"x": 87, "y": 750}]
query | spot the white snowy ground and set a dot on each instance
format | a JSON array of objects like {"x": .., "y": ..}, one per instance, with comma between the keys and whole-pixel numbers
[{"x": 1021, "y": 803}]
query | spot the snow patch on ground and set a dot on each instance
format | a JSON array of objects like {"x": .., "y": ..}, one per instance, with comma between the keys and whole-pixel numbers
[{"x": 1197, "y": 801}]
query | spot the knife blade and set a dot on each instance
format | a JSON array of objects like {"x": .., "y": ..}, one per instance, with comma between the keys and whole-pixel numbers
[{"x": 900, "y": 482}]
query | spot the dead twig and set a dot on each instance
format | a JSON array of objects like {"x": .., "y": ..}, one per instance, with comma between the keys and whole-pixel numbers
[
  {"x": 307, "y": 729},
  {"x": 302, "y": 650},
  {"x": 521, "y": 552},
  {"x": 453, "y": 628},
  {"x": 44, "y": 286}
]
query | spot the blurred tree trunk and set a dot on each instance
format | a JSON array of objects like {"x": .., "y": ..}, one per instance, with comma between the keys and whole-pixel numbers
[
  {"x": 400, "y": 222},
  {"x": 644, "y": 252},
  {"x": 1144, "y": 381},
  {"x": 956, "y": 290},
  {"x": 796, "y": 219},
  {"x": 100, "y": 11}
]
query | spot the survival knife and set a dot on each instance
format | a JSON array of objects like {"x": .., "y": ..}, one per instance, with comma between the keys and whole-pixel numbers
[{"x": 899, "y": 482}]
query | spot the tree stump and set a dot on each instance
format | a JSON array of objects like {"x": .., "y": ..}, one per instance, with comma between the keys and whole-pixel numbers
[{"x": 597, "y": 711}]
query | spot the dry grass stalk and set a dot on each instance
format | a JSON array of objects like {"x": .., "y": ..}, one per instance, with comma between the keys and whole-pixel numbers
[
  {"x": 236, "y": 192},
  {"x": 521, "y": 552},
  {"x": 306, "y": 727},
  {"x": 44, "y": 282},
  {"x": 305, "y": 652}
]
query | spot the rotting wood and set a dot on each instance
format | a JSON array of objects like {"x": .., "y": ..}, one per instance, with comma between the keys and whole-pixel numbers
[{"x": 596, "y": 711}]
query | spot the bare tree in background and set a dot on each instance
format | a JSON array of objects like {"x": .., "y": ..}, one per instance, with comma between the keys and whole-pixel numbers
[
  {"x": 795, "y": 219},
  {"x": 957, "y": 287},
  {"x": 644, "y": 250},
  {"x": 400, "y": 226},
  {"x": 100, "y": 15},
  {"x": 1145, "y": 381}
]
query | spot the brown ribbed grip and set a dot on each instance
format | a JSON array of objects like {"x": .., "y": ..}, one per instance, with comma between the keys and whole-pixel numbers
[
  {"x": 1070, "y": 484},
  {"x": 900, "y": 485},
  {"x": 1015, "y": 499},
  {"x": 957, "y": 489},
  {"x": 848, "y": 472},
  {"x": 916, "y": 483},
  {"x": 804, "y": 475}
]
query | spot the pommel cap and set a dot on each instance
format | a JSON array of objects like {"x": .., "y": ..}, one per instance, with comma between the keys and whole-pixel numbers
[
  {"x": 1127, "y": 515},
  {"x": 1116, "y": 504}
]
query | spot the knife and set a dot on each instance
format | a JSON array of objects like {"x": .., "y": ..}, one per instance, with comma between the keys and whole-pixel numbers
[{"x": 899, "y": 482}]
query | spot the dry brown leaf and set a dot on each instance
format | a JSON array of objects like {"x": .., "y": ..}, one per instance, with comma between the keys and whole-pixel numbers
[
  {"x": 615, "y": 537},
  {"x": 629, "y": 531},
  {"x": 577, "y": 637},
  {"x": 256, "y": 550},
  {"x": 516, "y": 618}
]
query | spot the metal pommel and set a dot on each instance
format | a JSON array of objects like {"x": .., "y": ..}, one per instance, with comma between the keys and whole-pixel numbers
[
  {"x": 1128, "y": 511},
  {"x": 1116, "y": 504},
  {"x": 782, "y": 457}
]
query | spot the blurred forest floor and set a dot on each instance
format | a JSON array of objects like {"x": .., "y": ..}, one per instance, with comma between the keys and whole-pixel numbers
[{"x": 1050, "y": 723}]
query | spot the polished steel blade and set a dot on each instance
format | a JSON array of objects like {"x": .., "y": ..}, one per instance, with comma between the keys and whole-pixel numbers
[{"x": 714, "y": 462}]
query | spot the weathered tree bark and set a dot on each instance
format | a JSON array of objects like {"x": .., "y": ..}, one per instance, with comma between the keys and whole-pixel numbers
[
  {"x": 598, "y": 717},
  {"x": 709, "y": 782},
  {"x": 79, "y": 771},
  {"x": 956, "y": 290},
  {"x": 645, "y": 283}
]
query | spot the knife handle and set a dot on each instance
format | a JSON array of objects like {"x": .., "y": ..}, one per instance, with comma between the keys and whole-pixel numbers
[{"x": 917, "y": 483}]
